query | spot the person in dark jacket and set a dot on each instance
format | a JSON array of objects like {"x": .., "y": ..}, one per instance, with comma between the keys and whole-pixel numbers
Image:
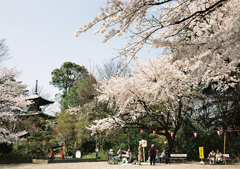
[
  {"x": 166, "y": 157},
  {"x": 152, "y": 152}
]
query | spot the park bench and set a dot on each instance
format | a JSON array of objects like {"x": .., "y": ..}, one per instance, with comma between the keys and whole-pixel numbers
[
  {"x": 182, "y": 157},
  {"x": 227, "y": 157}
]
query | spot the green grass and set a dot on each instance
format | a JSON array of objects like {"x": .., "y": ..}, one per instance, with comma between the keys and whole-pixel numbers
[
  {"x": 91, "y": 155},
  {"x": 101, "y": 156}
]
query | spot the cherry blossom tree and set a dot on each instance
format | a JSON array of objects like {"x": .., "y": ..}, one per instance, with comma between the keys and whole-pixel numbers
[
  {"x": 155, "y": 96},
  {"x": 12, "y": 101},
  {"x": 202, "y": 45},
  {"x": 203, "y": 36},
  {"x": 155, "y": 20}
]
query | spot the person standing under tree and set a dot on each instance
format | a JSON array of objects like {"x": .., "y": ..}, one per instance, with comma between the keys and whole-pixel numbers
[
  {"x": 140, "y": 154},
  {"x": 119, "y": 153},
  {"x": 152, "y": 152},
  {"x": 166, "y": 147}
]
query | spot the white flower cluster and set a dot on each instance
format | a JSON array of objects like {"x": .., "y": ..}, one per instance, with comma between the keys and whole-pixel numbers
[
  {"x": 156, "y": 21},
  {"x": 204, "y": 42},
  {"x": 156, "y": 82},
  {"x": 12, "y": 99},
  {"x": 212, "y": 54}
]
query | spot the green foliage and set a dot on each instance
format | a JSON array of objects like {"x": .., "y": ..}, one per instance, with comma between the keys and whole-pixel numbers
[
  {"x": 186, "y": 143},
  {"x": 31, "y": 137},
  {"x": 36, "y": 133},
  {"x": 65, "y": 128},
  {"x": 68, "y": 74},
  {"x": 90, "y": 155},
  {"x": 86, "y": 89},
  {"x": 28, "y": 149},
  {"x": 47, "y": 137},
  {"x": 81, "y": 93},
  {"x": 70, "y": 99},
  {"x": 101, "y": 156},
  {"x": 53, "y": 140},
  {"x": 19, "y": 151}
]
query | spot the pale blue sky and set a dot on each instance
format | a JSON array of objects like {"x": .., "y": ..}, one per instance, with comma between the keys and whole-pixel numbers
[{"x": 40, "y": 35}]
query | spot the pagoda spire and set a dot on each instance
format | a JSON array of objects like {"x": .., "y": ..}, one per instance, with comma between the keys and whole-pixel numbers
[{"x": 36, "y": 87}]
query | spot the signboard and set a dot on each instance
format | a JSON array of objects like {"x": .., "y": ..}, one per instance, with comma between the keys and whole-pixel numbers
[
  {"x": 225, "y": 155},
  {"x": 201, "y": 153},
  {"x": 143, "y": 142}
]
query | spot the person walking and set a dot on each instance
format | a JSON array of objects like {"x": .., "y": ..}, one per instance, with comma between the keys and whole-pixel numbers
[
  {"x": 140, "y": 154},
  {"x": 152, "y": 152},
  {"x": 166, "y": 157}
]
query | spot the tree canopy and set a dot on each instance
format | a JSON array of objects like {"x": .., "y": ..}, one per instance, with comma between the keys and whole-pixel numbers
[
  {"x": 12, "y": 100},
  {"x": 202, "y": 46},
  {"x": 68, "y": 74}
]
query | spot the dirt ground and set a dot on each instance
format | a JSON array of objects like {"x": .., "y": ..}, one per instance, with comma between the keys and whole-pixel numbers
[{"x": 104, "y": 165}]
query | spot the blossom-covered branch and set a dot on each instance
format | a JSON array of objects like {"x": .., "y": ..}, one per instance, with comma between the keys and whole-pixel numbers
[
  {"x": 12, "y": 101},
  {"x": 151, "y": 21},
  {"x": 157, "y": 95},
  {"x": 200, "y": 37}
]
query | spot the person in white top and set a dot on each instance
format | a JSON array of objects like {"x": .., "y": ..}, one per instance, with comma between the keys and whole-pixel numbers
[
  {"x": 111, "y": 153},
  {"x": 219, "y": 157},
  {"x": 120, "y": 151}
]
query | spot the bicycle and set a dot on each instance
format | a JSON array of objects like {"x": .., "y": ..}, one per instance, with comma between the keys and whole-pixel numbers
[{"x": 113, "y": 159}]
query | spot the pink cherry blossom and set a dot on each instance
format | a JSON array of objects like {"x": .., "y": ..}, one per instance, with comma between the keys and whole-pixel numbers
[{"x": 12, "y": 100}]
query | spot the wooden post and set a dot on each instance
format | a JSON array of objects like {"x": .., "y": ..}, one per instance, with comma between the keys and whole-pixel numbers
[
  {"x": 128, "y": 139},
  {"x": 224, "y": 158},
  {"x": 144, "y": 154}
]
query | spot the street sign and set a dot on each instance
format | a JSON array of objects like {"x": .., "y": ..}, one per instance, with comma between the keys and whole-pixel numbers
[{"x": 143, "y": 142}]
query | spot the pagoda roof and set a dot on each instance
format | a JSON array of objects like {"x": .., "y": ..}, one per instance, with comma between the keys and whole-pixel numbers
[
  {"x": 35, "y": 113},
  {"x": 40, "y": 101}
]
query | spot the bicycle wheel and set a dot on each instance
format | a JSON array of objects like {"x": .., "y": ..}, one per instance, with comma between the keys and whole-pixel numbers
[
  {"x": 115, "y": 161},
  {"x": 108, "y": 161}
]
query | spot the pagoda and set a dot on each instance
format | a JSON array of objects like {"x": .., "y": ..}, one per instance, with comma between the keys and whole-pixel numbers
[
  {"x": 31, "y": 117},
  {"x": 35, "y": 107}
]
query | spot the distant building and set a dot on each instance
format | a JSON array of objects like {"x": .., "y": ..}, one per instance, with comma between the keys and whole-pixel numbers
[{"x": 31, "y": 117}]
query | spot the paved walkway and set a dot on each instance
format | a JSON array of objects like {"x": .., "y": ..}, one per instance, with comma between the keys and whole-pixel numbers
[{"x": 104, "y": 165}]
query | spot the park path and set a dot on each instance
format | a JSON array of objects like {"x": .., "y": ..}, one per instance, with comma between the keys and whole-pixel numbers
[{"x": 104, "y": 165}]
